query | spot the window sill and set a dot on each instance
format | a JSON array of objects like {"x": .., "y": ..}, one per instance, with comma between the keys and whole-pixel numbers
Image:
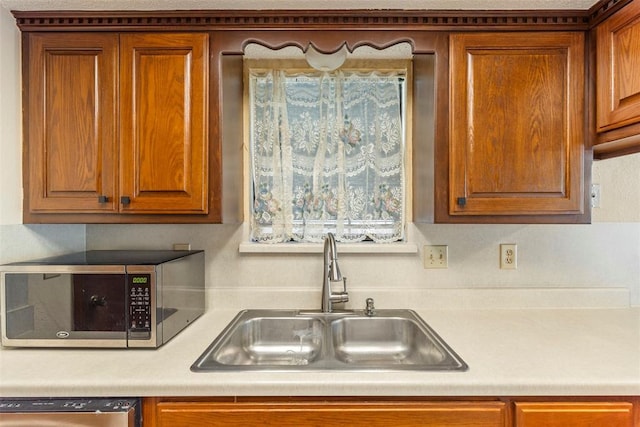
[{"x": 349, "y": 248}]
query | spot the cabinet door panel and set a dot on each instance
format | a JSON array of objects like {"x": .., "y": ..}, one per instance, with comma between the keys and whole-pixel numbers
[
  {"x": 163, "y": 115},
  {"x": 588, "y": 414},
  {"x": 618, "y": 79},
  {"x": 71, "y": 122},
  {"x": 397, "y": 414},
  {"x": 516, "y": 124}
]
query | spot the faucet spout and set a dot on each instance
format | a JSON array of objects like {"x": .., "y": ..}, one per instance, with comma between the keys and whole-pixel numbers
[
  {"x": 331, "y": 273},
  {"x": 331, "y": 258}
]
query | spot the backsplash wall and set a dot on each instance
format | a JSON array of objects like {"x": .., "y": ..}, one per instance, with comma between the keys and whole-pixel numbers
[
  {"x": 22, "y": 242},
  {"x": 595, "y": 256}
]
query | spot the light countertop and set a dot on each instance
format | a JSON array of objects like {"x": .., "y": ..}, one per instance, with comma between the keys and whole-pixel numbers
[{"x": 510, "y": 352}]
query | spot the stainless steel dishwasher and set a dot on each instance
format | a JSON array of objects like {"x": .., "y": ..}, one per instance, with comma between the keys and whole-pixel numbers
[{"x": 76, "y": 412}]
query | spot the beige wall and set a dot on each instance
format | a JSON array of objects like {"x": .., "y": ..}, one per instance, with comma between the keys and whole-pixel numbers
[
  {"x": 10, "y": 129},
  {"x": 619, "y": 180}
]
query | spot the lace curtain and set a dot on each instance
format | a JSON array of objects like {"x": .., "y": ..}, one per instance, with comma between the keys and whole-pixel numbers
[{"x": 327, "y": 155}]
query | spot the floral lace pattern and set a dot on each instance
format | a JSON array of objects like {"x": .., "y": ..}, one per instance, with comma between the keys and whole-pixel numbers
[{"x": 327, "y": 154}]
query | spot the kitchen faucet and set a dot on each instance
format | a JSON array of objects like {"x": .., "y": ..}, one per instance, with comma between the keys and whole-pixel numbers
[{"x": 331, "y": 273}]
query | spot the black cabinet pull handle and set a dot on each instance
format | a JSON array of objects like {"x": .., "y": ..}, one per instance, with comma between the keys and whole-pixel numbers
[
  {"x": 125, "y": 200},
  {"x": 461, "y": 201},
  {"x": 103, "y": 199}
]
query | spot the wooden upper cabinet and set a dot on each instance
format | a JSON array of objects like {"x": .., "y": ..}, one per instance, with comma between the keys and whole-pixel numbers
[
  {"x": 617, "y": 59},
  {"x": 116, "y": 128},
  {"x": 516, "y": 126},
  {"x": 163, "y": 113},
  {"x": 574, "y": 414},
  {"x": 618, "y": 69},
  {"x": 71, "y": 149}
]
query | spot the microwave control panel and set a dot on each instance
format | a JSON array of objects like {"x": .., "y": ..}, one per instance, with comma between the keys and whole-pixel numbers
[{"x": 139, "y": 286}]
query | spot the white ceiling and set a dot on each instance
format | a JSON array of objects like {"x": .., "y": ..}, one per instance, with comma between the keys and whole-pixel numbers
[{"x": 295, "y": 4}]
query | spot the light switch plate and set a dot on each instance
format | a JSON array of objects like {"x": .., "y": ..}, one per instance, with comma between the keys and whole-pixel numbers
[
  {"x": 436, "y": 256},
  {"x": 595, "y": 195}
]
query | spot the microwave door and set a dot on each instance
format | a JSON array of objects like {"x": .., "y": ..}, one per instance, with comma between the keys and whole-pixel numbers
[
  {"x": 62, "y": 308},
  {"x": 99, "y": 303}
]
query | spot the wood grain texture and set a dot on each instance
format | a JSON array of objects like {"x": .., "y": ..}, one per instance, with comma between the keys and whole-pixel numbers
[
  {"x": 618, "y": 62},
  {"x": 173, "y": 184},
  {"x": 163, "y": 113},
  {"x": 157, "y": 153},
  {"x": 538, "y": 411},
  {"x": 517, "y": 124},
  {"x": 71, "y": 127},
  {"x": 309, "y": 19},
  {"x": 574, "y": 414},
  {"x": 322, "y": 414}
]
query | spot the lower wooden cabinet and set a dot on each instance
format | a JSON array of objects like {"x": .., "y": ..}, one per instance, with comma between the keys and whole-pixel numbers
[
  {"x": 396, "y": 412},
  {"x": 574, "y": 414},
  {"x": 325, "y": 413}
]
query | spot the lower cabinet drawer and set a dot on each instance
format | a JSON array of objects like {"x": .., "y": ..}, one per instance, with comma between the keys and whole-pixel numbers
[
  {"x": 323, "y": 414},
  {"x": 574, "y": 414}
]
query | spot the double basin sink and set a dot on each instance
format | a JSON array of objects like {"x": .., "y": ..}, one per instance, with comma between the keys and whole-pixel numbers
[{"x": 294, "y": 340}]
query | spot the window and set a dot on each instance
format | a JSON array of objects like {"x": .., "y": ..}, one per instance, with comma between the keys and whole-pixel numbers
[{"x": 327, "y": 152}]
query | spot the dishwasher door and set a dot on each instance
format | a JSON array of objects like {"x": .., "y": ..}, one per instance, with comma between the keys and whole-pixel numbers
[{"x": 81, "y": 412}]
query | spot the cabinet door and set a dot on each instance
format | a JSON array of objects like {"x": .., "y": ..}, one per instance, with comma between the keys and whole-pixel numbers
[
  {"x": 71, "y": 149},
  {"x": 163, "y": 110},
  {"x": 397, "y": 414},
  {"x": 587, "y": 414},
  {"x": 618, "y": 62},
  {"x": 516, "y": 124}
]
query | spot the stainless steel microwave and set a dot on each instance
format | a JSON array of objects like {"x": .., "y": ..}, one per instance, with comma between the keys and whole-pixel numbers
[{"x": 107, "y": 298}]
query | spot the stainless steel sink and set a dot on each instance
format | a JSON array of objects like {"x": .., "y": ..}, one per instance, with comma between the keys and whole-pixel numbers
[
  {"x": 272, "y": 341},
  {"x": 294, "y": 340},
  {"x": 383, "y": 341}
]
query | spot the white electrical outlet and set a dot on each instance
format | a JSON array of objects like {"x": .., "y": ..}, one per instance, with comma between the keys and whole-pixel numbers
[
  {"x": 508, "y": 256},
  {"x": 436, "y": 256},
  {"x": 182, "y": 246}
]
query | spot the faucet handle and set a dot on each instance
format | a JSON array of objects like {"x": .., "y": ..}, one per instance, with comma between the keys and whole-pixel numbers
[
  {"x": 341, "y": 296},
  {"x": 370, "y": 310},
  {"x": 344, "y": 294}
]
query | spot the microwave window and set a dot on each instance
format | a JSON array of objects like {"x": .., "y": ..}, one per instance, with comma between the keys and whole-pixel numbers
[
  {"x": 62, "y": 305},
  {"x": 99, "y": 302}
]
